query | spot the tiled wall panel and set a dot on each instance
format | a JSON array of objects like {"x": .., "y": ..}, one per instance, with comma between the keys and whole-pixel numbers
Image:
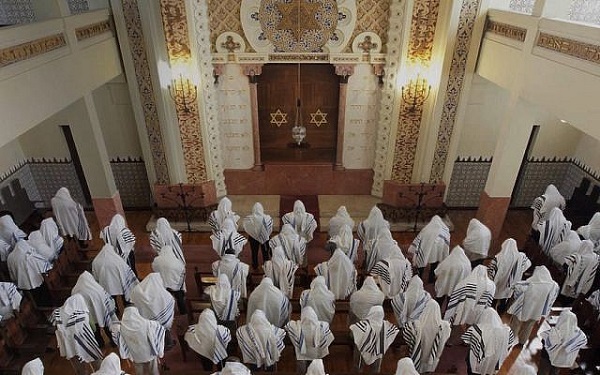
[{"x": 467, "y": 182}]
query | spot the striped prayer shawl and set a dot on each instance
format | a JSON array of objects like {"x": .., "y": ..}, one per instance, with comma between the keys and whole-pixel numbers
[
  {"x": 581, "y": 273},
  {"x": 157, "y": 243},
  {"x": 83, "y": 229},
  {"x": 129, "y": 281},
  {"x": 282, "y": 278},
  {"x": 166, "y": 315},
  {"x": 398, "y": 285},
  {"x": 322, "y": 340},
  {"x": 551, "y": 235},
  {"x": 154, "y": 337},
  {"x": 479, "y": 342},
  {"x": 322, "y": 269},
  {"x": 536, "y": 206},
  {"x": 405, "y": 313},
  {"x": 519, "y": 301},
  {"x": 372, "y": 344},
  {"x": 227, "y": 311},
  {"x": 126, "y": 238},
  {"x": 80, "y": 335},
  {"x": 464, "y": 306},
  {"x": 254, "y": 352},
  {"x": 412, "y": 336},
  {"x": 294, "y": 249},
  {"x": 231, "y": 242}
]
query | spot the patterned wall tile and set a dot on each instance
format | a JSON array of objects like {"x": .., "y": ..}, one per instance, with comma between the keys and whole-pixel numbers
[
  {"x": 537, "y": 175},
  {"x": 467, "y": 183},
  {"x": 23, "y": 173},
  {"x": 574, "y": 174},
  {"x": 13, "y": 12},
  {"x": 372, "y": 15},
  {"x": 51, "y": 176},
  {"x": 132, "y": 182},
  {"x": 225, "y": 16}
]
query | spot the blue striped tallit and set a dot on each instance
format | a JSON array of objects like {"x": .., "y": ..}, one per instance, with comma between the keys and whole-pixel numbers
[
  {"x": 391, "y": 287},
  {"x": 404, "y": 312},
  {"x": 76, "y": 335},
  {"x": 129, "y": 281},
  {"x": 83, "y": 229},
  {"x": 373, "y": 343},
  {"x": 260, "y": 353},
  {"x": 294, "y": 248}
]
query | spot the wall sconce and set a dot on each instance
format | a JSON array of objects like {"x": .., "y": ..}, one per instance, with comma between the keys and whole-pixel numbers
[
  {"x": 416, "y": 92},
  {"x": 183, "y": 93}
]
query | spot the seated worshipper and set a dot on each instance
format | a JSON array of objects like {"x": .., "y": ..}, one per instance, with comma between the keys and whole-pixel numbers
[
  {"x": 70, "y": 217},
  {"x": 477, "y": 242},
  {"x": 227, "y": 239},
  {"x": 272, "y": 301},
  {"x": 164, "y": 235},
  {"x": 563, "y": 249},
  {"x": 369, "y": 229},
  {"x": 235, "y": 270},
  {"x": 50, "y": 233},
  {"x": 431, "y": 246},
  {"x": 111, "y": 271},
  {"x": 10, "y": 234},
  {"x": 489, "y": 342},
  {"x": 316, "y": 367},
  {"x": 282, "y": 271},
  {"x": 26, "y": 268},
  {"x": 344, "y": 241},
  {"x": 506, "y": 269},
  {"x": 75, "y": 337},
  {"x": 224, "y": 300},
  {"x": 100, "y": 304},
  {"x": 543, "y": 205},
  {"x": 260, "y": 341},
  {"x": 311, "y": 338},
  {"x": 217, "y": 217},
  {"x": 304, "y": 223},
  {"x": 10, "y": 300},
  {"x": 321, "y": 299},
  {"x": 426, "y": 337},
  {"x": 409, "y": 305},
  {"x": 361, "y": 301},
  {"x": 140, "y": 340},
  {"x": 172, "y": 272},
  {"x": 292, "y": 243},
  {"x": 233, "y": 366},
  {"x": 393, "y": 274},
  {"x": 33, "y": 367},
  {"x": 470, "y": 297},
  {"x": 121, "y": 238},
  {"x": 592, "y": 231},
  {"x": 406, "y": 367},
  {"x": 380, "y": 248},
  {"x": 341, "y": 218},
  {"x": 208, "y": 339},
  {"x": 452, "y": 270},
  {"x": 111, "y": 365},
  {"x": 581, "y": 270},
  {"x": 339, "y": 273},
  {"x": 532, "y": 300},
  {"x": 37, "y": 241},
  {"x": 372, "y": 337},
  {"x": 563, "y": 341},
  {"x": 554, "y": 230},
  {"x": 259, "y": 227}
]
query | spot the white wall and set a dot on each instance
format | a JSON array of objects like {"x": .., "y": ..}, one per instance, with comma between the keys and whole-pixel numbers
[
  {"x": 588, "y": 151},
  {"x": 10, "y": 155},
  {"x": 555, "y": 139}
]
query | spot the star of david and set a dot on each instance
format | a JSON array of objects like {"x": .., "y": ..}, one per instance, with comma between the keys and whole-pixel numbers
[
  {"x": 318, "y": 118},
  {"x": 278, "y": 118},
  {"x": 298, "y": 16}
]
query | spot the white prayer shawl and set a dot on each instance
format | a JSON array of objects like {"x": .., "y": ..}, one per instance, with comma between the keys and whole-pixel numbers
[
  {"x": 568, "y": 246},
  {"x": 292, "y": 243},
  {"x": 409, "y": 305},
  {"x": 5, "y": 249},
  {"x": 10, "y": 300},
  {"x": 111, "y": 271},
  {"x": 234, "y": 368},
  {"x": 370, "y": 228},
  {"x": 594, "y": 299},
  {"x": 282, "y": 271},
  {"x": 346, "y": 242},
  {"x": 554, "y": 230},
  {"x": 258, "y": 225},
  {"x": 261, "y": 342},
  {"x": 36, "y": 240},
  {"x": 139, "y": 339},
  {"x": 74, "y": 335},
  {"x": 582, "y": 268},
  {"x": 170, "y": 268},
  {"x": 592, "y": 230},
  {"x": 9, "y": 231},
  {"x": 304, "y": 223},
  {"x": 316, "y": 367},
  {"x": 406, "y": 367},
  {"x": 367, "y": 297},
  {"x": 507, "y": 268},
  {"x": 272, "y": 301},
  {"x": 235, "y": 270},
  {"x": 164, "y": 235},
  {"x": 100, "y": 304},
  {"x": 26, "y": 267},
  {"x": 119, "y": 236},
  {"x": 382, "y": 247},
  {"x": 477, "y": 241},
  {"x": 470, "y": 297},
  {"x": 207, "y": 338},
  {"x": 228, "y": 240},
  {"x": 70, "y": 216},
  {"x": 33, "y": 367},
  {"x": 393, "y": 274},
  {"x": 321, "y": 299},
  {"x": 341, "y": 218},
  {"x": 432, "y": 244},
  {"x": 339, "y": 273},
  {"x": 50, "y": 233},
  {"x": 543, "y": 204},
  {"x": 153, "y": 301},
  {"x": 224, "y": 299},
  {"x": 452, "y": 270},
  {"x": 489, "y": 343},
  {"x": 223, "y": 212},
  {"x": 111, "y": 365},
  {"x": 533, "y": 298},
  {"x": 563, "y": 341},
  {"x": 373, "y": 335},
  {"x": 426, "y": 337},
  {"x": 311, "y": 338}
]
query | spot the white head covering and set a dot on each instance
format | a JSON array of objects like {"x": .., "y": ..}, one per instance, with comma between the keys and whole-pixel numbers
[
  {"x": 368, "y": 296},
  {"x": 554, "y": 230},
  {"x": 153, "y": 301},
  {"x": 470, "y": 297},
  {"x": 170, "y": 268},
  {"x": 345, "y": 241},
  {"x": 380, "y": 248},
  {"x": 26, "y": 266},
  {"x": 207, "y": 338},
  {"x": 543, "y": 205},
  {"x": 563, "y": 341},
  {"x": 37, "y": 241},
  {"x": 393, "y": 274},
  {"x": 10, "y": 300},
  {"x": 164, "y": 235},
  {"x": 223, "y": 211},
  {"x": 224, "y": 300},
  {"x": 406, "y": 367},
  {"x": 316, "y": 367},
  {"x": 507, "y": 268},
  {"x": 118, "y": 235},
  {"x": 321, "y": 299},
  {"x": 568, "y": 246},
  {"x": 234, "y": 368},
  {"x": 111, "y": 365},
  {"x": 477, "y": 242},
  {"x": 592, "y": 230},
  {"x": 139, "y": 339},
  {"x": 272, "y": 301},
  {"x": 9, "y": 231},
  {"x": 431, "y": 244},
  {"x": 311, "y": 338},
  {"x": 228, "y": 239},
  {"x": 304, "y": 223},
  {"x": 33, "y": 367},
  {"x": 282, "y": 271},
  {"x": 260, "y": 341},
  {"x": 70, "y": 216},
  {"x": 258, "y": 225},
  {"x": 368, "y": 333},
  {"x": 534, "y": 297},
  {"x": 341, "y": 218},
  {"x": 369, "y": 229},
  {"x": 292, "y": 243},
  {"x": 100, "y": 304},
  {"x": 49, "y": 230},
  {"x": 409, "y": 305},
  {"x": 452, "y": 270},
  {"x": 111, "y": 271},
  {"x": 582, "y": 267},
  {"x": 339, "y": 273},
  {"x": 236, "y": 271}
]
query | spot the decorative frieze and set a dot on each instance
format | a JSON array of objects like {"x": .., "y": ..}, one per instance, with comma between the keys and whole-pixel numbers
[
  {"x": 93, "y": 30},
  {"x": 422, "y": 31},
  {"x": 570, "y": 47},
  {"x": 506, "y": 30},
  {"x": 31, "y": 49}
]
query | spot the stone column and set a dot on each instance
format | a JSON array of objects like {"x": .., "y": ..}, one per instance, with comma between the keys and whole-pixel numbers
[
  {"x": 344, "y": 71},
  {"x": 253, "y": 71}
]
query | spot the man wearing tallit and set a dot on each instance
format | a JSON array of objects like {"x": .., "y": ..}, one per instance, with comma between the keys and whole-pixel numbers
[
  {"x": 372, "y": 337},
  {"x": 566, "y": 247},
  {"x": 164, "y": 235},
  {"x": 172, "y": 272},
  {"x": 406, "y": 366},
  {"x": 320, "y": 298},
  {"x": 282, "y": 271},
  {"x": 532, "y": 300},
  {"x": 591, "y": 231},
  {"x": 140, "y": 340},
  {"x": 10, "y": 234},
  {"x": 581, "y": 270},
  {"x": 271, "y": 301},
  {"x": 431, "y": 246},
  {"x": 543, "y": 204},
  {"x": 50, "y": 233},
  {"x": 10, "y": 300},
  {"x": 506, "y": 269},
  {"x": 259, "y": 227},
  {"x": 74, "y": 335},
  {"x": 311, "y": 338},
  {"x": 70, "y": 216},
  {"x": 233, "y": 368},
  {"x": 345, "y": 241},
  {"x": 228, "y": 239},
  {"x": 452, "y": 270},
  {"x": 370, "y": 228},
  {"x": 37, "y": 241},
  {"x": 554, "y": 230},
  {"x": 260, "y": 341},
  {"x": 292, "y": 243},
  {"x": 111, "y": 365},
  {"x": 477, "y": 242},
  {"x": 381, "y": 247},
  {"x": 224, "y": 211},
  {"x": 224, "y": 300},
  {"x": 121, "y": 238},
  {"x": 316, "y": 367},
  {"x": 304, "y": 223},
  {"x": 341, "y": 218},
  {"x": 489, "y": 343},
  {"x": 409, "y": 305},
  {"x": 208, "y": 339},
  {"x": 426, "y": 337},
  {"x": 470, "y": 297},
  {"x": 235, "y": 270},
  {"x": 33, "y": 367},
  {"x": 339, "y": 273},
  {"x": 26, "y": 268},
  {"x": 111, "y": 271},
  {"x": 563, "y": 341},
  {"x": 393, "y": 274},
  {"x": 361, "y": 301}
]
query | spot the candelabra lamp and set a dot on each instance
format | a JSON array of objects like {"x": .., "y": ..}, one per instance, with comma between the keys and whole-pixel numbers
[
  {"x": 416, "y": 92},
  {"x": 183, "y": 197},
  {"x": 183, "y": 92}
]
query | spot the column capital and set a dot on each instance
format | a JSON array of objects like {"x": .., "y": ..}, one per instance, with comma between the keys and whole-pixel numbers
[
  {"x": 252, "y": 70},
  {"x": 344, "y": 71},
  {"x": 218, "y": 69}
]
